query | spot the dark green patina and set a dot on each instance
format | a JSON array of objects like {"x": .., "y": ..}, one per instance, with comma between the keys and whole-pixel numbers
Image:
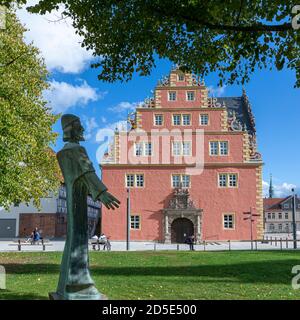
[{"x": 75, "y": 281}]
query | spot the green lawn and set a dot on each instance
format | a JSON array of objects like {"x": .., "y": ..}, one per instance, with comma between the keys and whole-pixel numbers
[{"x": 161, "y": 275}]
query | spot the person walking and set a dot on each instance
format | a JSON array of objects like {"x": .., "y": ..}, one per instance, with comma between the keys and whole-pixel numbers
[{"x": 190, "y": 241}]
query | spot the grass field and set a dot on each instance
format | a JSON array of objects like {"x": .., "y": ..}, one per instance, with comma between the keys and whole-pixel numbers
[{"x": 161, "y": 275}]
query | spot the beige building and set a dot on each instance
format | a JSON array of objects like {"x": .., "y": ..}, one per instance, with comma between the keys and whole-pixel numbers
[{"x": 278, "y": 215}]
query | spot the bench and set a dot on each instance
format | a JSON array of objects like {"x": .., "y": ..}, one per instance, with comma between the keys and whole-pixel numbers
[
  {"x": 98, "y": 243},
  {"x": 21, "y": 243}
]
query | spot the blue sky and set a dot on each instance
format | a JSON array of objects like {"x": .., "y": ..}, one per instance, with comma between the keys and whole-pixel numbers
[{"x": 76, "y": 89}]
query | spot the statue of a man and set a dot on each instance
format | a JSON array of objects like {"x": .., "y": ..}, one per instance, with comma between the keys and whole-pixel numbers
[{"x": 80, "y": 179}]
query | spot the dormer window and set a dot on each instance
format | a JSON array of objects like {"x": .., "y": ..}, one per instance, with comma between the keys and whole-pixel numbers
[
  {"x": 181, "y": 77},
  {"x": 172, "y": 95}
]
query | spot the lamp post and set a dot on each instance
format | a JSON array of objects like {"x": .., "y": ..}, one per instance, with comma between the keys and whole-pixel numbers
[
  {"x": 128, "y": 221},
  {"x": 294, "y": 219}
]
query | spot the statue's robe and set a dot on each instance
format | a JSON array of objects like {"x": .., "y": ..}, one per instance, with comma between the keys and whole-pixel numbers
[{"x": 80, "y": 179}]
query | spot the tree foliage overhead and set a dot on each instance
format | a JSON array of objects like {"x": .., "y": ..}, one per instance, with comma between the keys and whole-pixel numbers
[
  {"x": 28, "y": 167},
  {"x": 231, "y": 37}
]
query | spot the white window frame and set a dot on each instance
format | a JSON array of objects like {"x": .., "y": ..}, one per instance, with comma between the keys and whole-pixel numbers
[
  {"x": 155, "y": 119},
  {"x": 181, "y": 181},
  {"x": 193, "y": 96},
  {"x": 213, "y": 148},
  {"x": 228, "y": 181},
  {"x": 180, "y": 77},
  {"x": 189, "y": 117},
  {"x": 176, "y": 115},
  {"x": 218, "y": 149},
  {"x": 135, "y": 222},
  {"x": 202, "y": 121},
  {"x": 136, "y": 149},
  {"x": 228, "y": 224},
  {"x": 148, "y": 150},
  {"x": 139, "y": 183},
  {"x": 135, "y": 180},
  {"x": 131, "y": 181},
  {"x": 172, "y": 94}
]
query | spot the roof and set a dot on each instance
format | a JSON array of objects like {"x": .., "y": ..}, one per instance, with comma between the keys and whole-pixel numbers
[
  {"x": 273, "y": 203},
  {"x": 242, "y": 109}
]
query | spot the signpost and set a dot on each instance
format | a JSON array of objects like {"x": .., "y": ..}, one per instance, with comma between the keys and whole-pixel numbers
[{"x": 250, "y": 217}]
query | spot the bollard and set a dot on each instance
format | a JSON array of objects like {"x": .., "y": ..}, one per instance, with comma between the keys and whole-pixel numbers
[
  {"x": 19, "y": 245},
  {"x": 44, "y": 247},
  {"x": 287, "y": 243},
  {"x": 271, "y": 240},
  {"x": 204, "y": 244},
  {"x": 229, "y": 245},
  {"x": 276, "y": 242},
  {"x": 256, "y": 245},
  {"x": 280, "y": 244},
  {"x": 177, "y": 247},
  {"x": 154, "y": 246}
]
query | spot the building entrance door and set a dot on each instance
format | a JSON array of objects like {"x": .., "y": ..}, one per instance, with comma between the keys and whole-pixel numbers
[{"x": 180, "y": 229}]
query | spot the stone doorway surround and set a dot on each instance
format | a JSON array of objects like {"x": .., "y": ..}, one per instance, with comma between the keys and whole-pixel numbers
[{"x": 181, "y": 206}]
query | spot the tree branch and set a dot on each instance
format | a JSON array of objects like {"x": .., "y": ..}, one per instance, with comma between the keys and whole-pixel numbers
[{"x": 241, "y": 28}]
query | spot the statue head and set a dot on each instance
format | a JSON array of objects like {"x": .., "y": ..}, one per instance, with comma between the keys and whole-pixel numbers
[{"x": 72, "y": 128}]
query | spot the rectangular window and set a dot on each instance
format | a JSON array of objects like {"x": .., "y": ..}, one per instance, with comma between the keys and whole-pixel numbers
[
  {"x": 279, "y": 215},
  {"x": 187, "y": 148},
  {"x": 139, "y": 180},
  {"x": 223, "y": 148},
  {"x": 204, "y": 119},
  {"x": 287, "y": 227},
  {"x": 286, "y": 215},
  {"x": 228, "y": 180},
  {"x": 269, "y": 215},
  {"x": 177, "y": 148},
  {"x": 232, "y": 180},
  {"x": 286, "y": 206},
  {"x": 185, "y": 181},
  {"x": 280, "y": 227},
  {"x": 190, "y": 95},
  {"x": 273, "y": 215},
  {"x": 172, "y": 95},
  {"x": 129, "y": 180},
  {"x": 181, "y": 77},
  {"x": 138, "y": 149},
  {"x": 218, "y": 148},
  {"x": 135, "y": 222},
  {"x": 148, "y": 149},
  {"x": 181, "y": 180},
  {"x": 222, "y": 180},
  {"x": 175, "y": 180},
  {"x": 176, "y": 119},
  {"x": 158, "y": 119},
  {"x": 228, "y": 221},
  {"x": 213, "y": 148},
  {"x": 186, "y": 119}
]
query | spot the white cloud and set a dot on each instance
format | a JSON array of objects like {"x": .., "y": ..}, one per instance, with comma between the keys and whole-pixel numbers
[
  {"x": 216, "y": 92},
  {"x": 103, "y": 119},
  {"x": 280, "y": 190},
  {"x": 125, "y": 106},
  {"x": 57, "y": 41},
  {"x": 62, "y": 96},
  {"x": 90, "y": 126}
]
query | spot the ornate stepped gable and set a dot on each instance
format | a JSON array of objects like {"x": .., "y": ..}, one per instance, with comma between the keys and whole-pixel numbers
[{"x": 239, "y": 113}]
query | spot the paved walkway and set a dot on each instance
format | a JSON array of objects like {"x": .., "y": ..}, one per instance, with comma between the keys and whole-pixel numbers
[{"x": 5, "y": 246}]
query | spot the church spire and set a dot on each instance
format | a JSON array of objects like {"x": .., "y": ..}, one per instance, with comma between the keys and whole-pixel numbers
[{"x": 271, "y": 190}]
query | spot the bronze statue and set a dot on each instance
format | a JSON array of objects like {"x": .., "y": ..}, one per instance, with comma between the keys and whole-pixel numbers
[{"x": 80, "y": 179}]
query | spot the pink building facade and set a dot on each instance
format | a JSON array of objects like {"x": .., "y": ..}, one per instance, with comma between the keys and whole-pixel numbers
[{"x": 191, "y": 165}]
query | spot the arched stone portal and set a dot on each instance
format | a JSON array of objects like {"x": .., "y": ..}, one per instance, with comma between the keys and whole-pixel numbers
[
  {"x": 181, "y": 228},
  {"x": 182, "y": 209}
]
